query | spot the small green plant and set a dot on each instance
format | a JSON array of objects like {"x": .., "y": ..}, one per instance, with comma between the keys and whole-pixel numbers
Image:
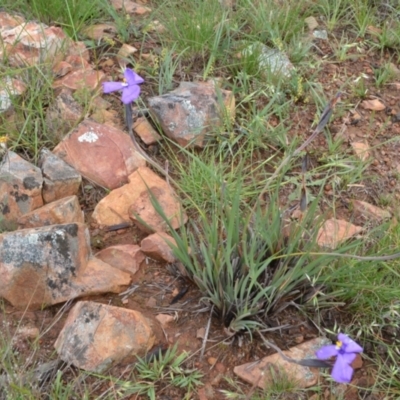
[
  {"x": 383, "y": 74},
  {"x": 333, "y": 11},
  {"x": 151, "y": 375}
]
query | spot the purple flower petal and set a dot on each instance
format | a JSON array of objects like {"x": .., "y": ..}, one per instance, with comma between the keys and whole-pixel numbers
[
  {"x": 132, "y": 78},
  {"x": 349, "y": 345},
  {"x": 130, "y": 94},
  {"x": 327, "y": 352},
  {"x": 109, "y": 87},
  {"x": 342, "y": 371}
]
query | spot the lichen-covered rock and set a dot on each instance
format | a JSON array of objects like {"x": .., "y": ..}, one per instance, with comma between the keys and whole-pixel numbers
[
  {"x": 101, "y": 153},
  {"x": 187, "y": 113},
  {"x": 20, "y": 189},
  {"x": 60, "y": 179},
  {"x": 63, "y": 211},
  {"x": 96, "y": 336},
  {"x": 53, "y": 264}
]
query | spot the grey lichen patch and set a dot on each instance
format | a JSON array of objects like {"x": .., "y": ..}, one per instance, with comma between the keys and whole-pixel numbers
[{"x": 30, "y": 183}]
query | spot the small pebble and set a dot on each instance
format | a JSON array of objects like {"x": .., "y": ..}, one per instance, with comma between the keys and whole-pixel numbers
[
  {"x": 375, "y": 163},
  {"x": 392, "y": 183},
  {"x": 212, "y": 360}
]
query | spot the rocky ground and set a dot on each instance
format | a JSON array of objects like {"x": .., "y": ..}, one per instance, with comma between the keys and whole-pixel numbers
[{"x": 87, "y": 269}]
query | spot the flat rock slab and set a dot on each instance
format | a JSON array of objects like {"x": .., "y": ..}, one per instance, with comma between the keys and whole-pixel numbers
[
  {"x": 96, "y": 336},
  {"x": 114, "y": 208},
  {"x": 335, "y": 231},
  {"x": 193, "y": 109},
  {"x": 63, "y": 211},
  {"x": 81, "y": 78},
  {"x": 101, "y": 153},
  {"x": 50, "y": 265},
  {"x": 37, "y": 265},
  {"x": 130, "y": 7},
  {"x": 9, "y": 88},
  {"x": 145, "y": 131},
  {"x": 369, "y": 211},
  {"x": 20, "y": 188},
  {"x": 31, "y": 43},
  {"x": 126, "y": 257},
  {"x": 274, "y": 367},
  {"x": 157, "y": 247},
  {"x": 60, "y": 179}
]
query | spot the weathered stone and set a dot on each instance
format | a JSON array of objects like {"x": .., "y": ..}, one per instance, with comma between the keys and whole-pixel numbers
[
  {"x": 37, "y": 265},
  {"x": 87, "y": 79},
  {"x": 145, "y": 131},
  {"x": 78, "y": 49},
  {"x": 96, "y": 336},
  {"x": 335, "y": 231},
  {"x": 274, "y": 367},
  {"x": 8, "y": 21},
  {"x": 269, "y": 60},
  {"x": 78, "y": 62},
  {"x": 362, "y": 150},
  {"x": 369, "y": 211},
  {"x": 130, "y": 7},
  {"x": 99, "y": 277},
  {"x": 20, "y": 188},
  {"x": 62, "y": 68},
  {"x": 101, "y": 153},
  {"x": 164, "y": 319},
  {"x": 63, "y": 114},
  {"x": 61, "y": 181},
  {"x": 32, "y": 43},
  {"x": 145, "y": 216},
  {"x": 100, "y": 31},
  {"x": 63, "y": 211},
  {"x": 124, "y": 53},
  {"x": 126, "y": 257},
  {"x": 9, "y": 88},
  {"x": 53, "y": 264},
  {"x": 113, "y": 209},
  {"x": 187, "y": 113},
  {"x": 157, "y": 247}
]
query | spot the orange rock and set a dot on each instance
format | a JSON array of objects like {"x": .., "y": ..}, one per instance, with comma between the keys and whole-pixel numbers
[
  {"x": 187, "y": 113},
  {"x": 96, "y": 336},
  {"x": 20, "y": 188},
  {"x": 100, "y": 153},
  {"x": 145, "y": 131},
  {"x": 113, "y": 209},
  {"x": 145, "y": 216},
  {"x": 156, "y": 246},
  {"x": 274, "y": 367},
  {"x": 32, "y": 43},
  {"x": 130, "y": 7},
  {"x": 164, "y": 319},
  {"x": 335, "y": 231},
  {"x": 63, "y": 211},
  {"x": 81, "y": 78},
  {"x": 374, "y": 105},
  {"x": 100, "y": 31},
  {"x": 61, "y": 180},
  {"x": 126, "y": 257},
  {"x": 362, "y": 150},
  {"x": 370, "y": 211}
]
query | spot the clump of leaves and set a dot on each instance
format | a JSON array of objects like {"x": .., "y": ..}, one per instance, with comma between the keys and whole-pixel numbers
[{"x": 245, "y": 265}]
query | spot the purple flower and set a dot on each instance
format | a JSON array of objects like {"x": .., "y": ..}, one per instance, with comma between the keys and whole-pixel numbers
[
  {"x": 345, "y": 351},
  {"x": 130, "y": 87}
]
